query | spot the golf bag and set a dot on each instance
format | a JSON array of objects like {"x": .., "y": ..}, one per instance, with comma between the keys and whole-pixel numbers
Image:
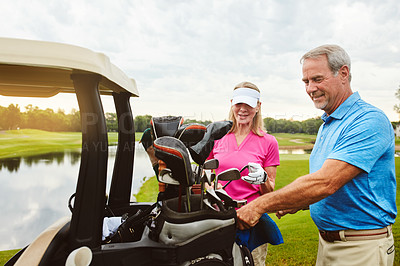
[{"x": 201, "y": 235}]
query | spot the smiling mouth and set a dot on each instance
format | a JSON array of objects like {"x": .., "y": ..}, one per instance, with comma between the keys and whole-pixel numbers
[{"x": 316, "y": 97}]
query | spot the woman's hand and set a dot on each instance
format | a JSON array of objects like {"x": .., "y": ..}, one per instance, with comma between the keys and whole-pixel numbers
[
  {"x": 256, "y": 175},
  {"x": 207, "y": 186}
]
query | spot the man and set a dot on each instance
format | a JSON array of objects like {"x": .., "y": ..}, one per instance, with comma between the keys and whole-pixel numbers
[{"x": 351, "y": 188}]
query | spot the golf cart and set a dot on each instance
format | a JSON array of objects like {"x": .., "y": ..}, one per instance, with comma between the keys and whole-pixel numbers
[{"x": 44, "y": 69}]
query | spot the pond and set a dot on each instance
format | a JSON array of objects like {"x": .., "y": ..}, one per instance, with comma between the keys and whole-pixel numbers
[
  {"x": 295, "y": 151},
  {"x": 35, "y": 191}
]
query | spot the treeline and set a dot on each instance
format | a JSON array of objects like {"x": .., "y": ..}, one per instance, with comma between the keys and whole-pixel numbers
[
  {"x": 309, "y": 126},
  {"x": 143, "y": 121},
  {"x": 11, "y": 117}
]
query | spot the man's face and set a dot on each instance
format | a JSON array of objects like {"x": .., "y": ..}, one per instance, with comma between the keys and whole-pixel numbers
[{"x": 322, "y": 86}]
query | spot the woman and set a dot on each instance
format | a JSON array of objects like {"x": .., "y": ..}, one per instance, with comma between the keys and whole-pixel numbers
[{"x": 245, "y": 143}]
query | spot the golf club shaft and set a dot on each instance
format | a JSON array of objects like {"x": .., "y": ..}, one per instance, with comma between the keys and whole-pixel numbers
[
  {"x": 202, "y": 194},
  {"x": 226, "y": 184}
]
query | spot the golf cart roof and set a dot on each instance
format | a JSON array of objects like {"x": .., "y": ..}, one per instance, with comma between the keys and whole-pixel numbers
[{"x": 43, "y": 69}]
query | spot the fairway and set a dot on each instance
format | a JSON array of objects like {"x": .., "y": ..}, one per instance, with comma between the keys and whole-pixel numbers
[
  {"x": 298, "y": 230},
  {"x": 25, "y": 142}
]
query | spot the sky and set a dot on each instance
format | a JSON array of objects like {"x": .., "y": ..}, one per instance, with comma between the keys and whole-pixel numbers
[{"x": 187, "y": 56}]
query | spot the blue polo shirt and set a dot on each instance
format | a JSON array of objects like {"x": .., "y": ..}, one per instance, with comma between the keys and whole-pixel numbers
[{"x": 359, "y": 134}]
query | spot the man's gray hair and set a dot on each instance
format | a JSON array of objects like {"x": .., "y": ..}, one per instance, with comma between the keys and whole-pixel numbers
[{"x": 337, "y": 57}]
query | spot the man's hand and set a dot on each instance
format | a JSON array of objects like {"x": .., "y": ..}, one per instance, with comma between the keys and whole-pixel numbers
[
  {"x": 248, "y": 216},
  {"x": 257, "y": 174}
]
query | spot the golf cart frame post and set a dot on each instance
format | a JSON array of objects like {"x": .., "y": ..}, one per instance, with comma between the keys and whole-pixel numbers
[
  {"x": 93, "y": 170},
  {"x": 86, "y": 227},
  {"x": 120, "y": 190}
]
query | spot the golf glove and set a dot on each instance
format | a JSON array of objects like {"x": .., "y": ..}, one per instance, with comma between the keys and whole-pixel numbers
[{"x": 257, "y": 174}]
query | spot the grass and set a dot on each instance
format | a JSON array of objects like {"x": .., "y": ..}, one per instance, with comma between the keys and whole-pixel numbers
[
  {"x": 6, "y": 255},
  {"x": 148, "y": 191},
  {"x": 293, "y": 140},
  {"x": 299, "y": 232},
  {"x": 27, "y": 142}
]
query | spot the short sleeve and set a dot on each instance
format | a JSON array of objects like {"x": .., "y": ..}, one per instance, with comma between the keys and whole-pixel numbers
[
  {"x": 272, "y": 153},
  {"x": 364, "y": 140}
]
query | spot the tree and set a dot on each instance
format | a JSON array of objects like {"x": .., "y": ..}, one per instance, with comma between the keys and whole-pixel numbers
[
  {"x": 397, "y": 106},
  {"x": 32, "y": 119},
  {"x": 3, "y": 111},
  {"x": 12, "y": 117},
  {"x": 142, "y": 122},
  {"x": 194, "y": 121},
  {"x": 311, "y": 126},
  {"x": 111, "y": 121},
  {"x": 270, "y": 124},
  {"x": 74, "y": 119}
]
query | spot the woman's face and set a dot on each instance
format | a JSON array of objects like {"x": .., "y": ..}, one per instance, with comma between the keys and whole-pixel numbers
[{"x": 244, "y": 113}]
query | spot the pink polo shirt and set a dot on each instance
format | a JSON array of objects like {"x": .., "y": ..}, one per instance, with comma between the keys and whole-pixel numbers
[{"x": 262, "y": 150}]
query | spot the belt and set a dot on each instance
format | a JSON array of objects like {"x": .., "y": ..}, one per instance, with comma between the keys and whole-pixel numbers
[{"x": 356, "y": 235}]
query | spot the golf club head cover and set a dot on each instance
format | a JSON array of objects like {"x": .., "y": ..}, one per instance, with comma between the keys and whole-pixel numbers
[
  {"x": 190, "y": 134},
  {"x": 202, "y": 149},
  {"x": 147, "y": 139},
  {"x": 174, "y": 153},
  {"x": 165, "y": 125},
  {"x": 256, "y": 175}
]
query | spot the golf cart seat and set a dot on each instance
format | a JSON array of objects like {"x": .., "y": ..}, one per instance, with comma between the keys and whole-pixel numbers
[
  {"x": 173, "y": 152},
  {"x": 46, "y": 243}
]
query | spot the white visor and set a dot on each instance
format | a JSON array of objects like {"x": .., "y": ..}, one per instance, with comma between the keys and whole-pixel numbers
[{"x": 245, "y": 95}]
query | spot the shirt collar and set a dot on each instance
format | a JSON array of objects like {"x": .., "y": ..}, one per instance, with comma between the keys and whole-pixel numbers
[{"x": 341, "y": 111}]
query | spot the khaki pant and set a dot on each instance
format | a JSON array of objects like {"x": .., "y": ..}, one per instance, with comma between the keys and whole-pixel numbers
[
  {"x": 259, "y": 255},
  {"x": 364, "y": 252}
]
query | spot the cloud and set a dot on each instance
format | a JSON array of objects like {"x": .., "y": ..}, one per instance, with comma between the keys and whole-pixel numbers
[{"x": 186, "y": 57}]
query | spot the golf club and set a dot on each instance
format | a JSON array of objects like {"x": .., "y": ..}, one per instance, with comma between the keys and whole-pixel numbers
[{"x": 227, "y": 175}]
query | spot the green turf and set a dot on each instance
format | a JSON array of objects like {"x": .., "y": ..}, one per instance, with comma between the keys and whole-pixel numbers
[
  {"x": 298, "y": 230},
  {"x": 287, "y": 139},
  {"x": 6, "y": 255},
  {"x": 148, "y": 191},
  {"x": 26, "y": 142}
]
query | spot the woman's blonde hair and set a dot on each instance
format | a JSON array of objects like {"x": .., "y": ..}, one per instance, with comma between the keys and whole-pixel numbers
[{"x": 257, "y": 124}]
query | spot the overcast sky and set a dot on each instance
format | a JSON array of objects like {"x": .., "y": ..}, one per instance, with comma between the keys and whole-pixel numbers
[{"x": 186, "y": 56}]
